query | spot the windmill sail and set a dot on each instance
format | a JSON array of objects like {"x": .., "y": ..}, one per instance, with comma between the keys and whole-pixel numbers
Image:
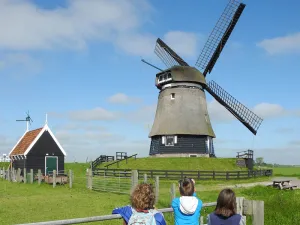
[
  {"x": 219, "y": 36},
  {"x": 241, "y": 112},
  {"x": 167, "y": 55}
]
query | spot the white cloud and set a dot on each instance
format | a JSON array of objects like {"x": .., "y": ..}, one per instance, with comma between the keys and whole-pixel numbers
[
  {"x": 121, "y": 98},
  {"x": 264, "y": 110},
  {"x": 19, "y": 63},
  {"x": 183, "y": 43},
  {"x": 93, "y": 114},
  {"x": 70, "y": 27},
  {"x": 287, "y": 44},
  {"x": 267, "y": 110}
]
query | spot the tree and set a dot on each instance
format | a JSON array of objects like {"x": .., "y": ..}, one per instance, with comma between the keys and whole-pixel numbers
[{"x": 259, "y": 161}]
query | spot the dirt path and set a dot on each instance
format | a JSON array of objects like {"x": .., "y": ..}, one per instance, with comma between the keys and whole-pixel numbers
[{"x": 294, "y": 181}]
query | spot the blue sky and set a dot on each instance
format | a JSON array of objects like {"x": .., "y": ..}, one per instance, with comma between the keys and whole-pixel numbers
[{"x": 79, "y": 61}]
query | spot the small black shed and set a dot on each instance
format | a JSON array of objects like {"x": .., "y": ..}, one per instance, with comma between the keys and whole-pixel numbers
[{"x": 38, "y": 149}]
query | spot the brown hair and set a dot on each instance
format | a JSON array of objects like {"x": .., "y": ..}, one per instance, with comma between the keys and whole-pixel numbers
[
  {"x": 226, "y": 203},
  {"x": 143, "y": 197},
  {"x": 186, "y": 187}
]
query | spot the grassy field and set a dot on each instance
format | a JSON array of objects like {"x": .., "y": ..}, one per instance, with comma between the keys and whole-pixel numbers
[
  {"x": 220, "y": 164},
  {"x": 286, "y": 171},
  {"x": 24, "y": 203}
]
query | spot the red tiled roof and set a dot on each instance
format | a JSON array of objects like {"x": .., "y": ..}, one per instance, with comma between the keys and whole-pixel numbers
[{"x": 25, "y": 142}]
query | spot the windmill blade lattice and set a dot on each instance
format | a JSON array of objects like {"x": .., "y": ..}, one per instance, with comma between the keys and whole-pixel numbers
[
  {"x": 241, "y": 112},
  {"x": 167, "y": 55},
  {"x": 219, "y": 36}
]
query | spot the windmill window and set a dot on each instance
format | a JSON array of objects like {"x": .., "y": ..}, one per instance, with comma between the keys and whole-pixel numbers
[
  {"x": 172, "y": 95},
  {"x": 170, "y": 140},
  {"x": 164, "y": 77}
]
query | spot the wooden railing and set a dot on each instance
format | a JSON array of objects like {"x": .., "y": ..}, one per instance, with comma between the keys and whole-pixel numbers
[
  {"x": 252, "y": 208},
  {"x": 117, "y": 162},
  {"x": 199, "y": 175}
]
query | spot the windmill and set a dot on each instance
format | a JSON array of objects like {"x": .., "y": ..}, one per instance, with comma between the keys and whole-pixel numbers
[
  {"x": 182, "y": 125},
  {"x": 28, "y": 120}
]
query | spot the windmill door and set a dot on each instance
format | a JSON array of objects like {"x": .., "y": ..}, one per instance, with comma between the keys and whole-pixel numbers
[{"x": 51, "y": 163}]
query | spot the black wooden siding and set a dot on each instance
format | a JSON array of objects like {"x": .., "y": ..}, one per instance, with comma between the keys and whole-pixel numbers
[
  {"x": 36, "y": 157},
  {"x": 185, "y": 144}
]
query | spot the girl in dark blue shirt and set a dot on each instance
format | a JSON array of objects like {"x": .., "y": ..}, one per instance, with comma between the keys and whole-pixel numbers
[{"x": 225, "y": 212}]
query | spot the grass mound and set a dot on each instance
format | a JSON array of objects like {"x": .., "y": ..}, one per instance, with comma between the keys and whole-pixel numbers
[{"x": 147, "y": 163}]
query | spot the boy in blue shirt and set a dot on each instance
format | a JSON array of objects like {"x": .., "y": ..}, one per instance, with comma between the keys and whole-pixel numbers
[{"x": 187, "y": 208}]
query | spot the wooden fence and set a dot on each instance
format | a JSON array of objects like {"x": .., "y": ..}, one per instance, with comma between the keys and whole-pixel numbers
[
  {"x": 245, "y": 207},
  {"x": 28, "y": 176},
  {"x": 199, "y": 175}
]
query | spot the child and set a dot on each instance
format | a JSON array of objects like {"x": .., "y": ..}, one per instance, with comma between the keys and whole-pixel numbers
[
  {"x": 225, "y": 212},
  {"x": 142, "y": 209},
  {"x": 187, "y": 208}
]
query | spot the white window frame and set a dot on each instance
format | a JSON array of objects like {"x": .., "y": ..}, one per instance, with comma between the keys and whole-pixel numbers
[{"x": 172, "y": 96}]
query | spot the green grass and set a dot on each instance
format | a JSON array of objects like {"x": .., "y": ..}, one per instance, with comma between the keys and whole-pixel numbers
[
  {"x": 218, "y": 164},
  {"x": 286, "y": 171},
  {"x": 24, "y": 203}
]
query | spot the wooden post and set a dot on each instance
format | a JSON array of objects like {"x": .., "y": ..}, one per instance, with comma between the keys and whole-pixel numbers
[
  {"x": 70, "y": 179},
  {"x": 134, "y": 179},
  {"x": 240, "y": 206},
  {"x": 19, "y": 175},
  {"x": 31, "y": 176},
  {"x": 39, "y": 176},
  {"x": 8, "y": 175},
  {"x": 255, "y": 209},
  {"x": 173, "y": 192},
  {"x": 145, "y": 178},
  {"x": 156, "y": 189},
  {"x": 25, "y": 176},
  {"x": 54, "y": 178},
  {"x": 201, "y": 220},
  {"x": 90, "y": 179}
]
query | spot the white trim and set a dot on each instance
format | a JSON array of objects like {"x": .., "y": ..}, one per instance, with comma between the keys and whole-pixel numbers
[
  {"x": 17, "y": 144},
  {"x": 182, "y": 83},
  {"x": 163, "y": 140},
  {"x": 45, "y": 128},
  {"x": 56, "y": 162},
  {"x": 175, "y": 139}
]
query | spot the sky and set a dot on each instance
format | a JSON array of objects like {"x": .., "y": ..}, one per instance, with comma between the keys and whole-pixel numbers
[{"x": 79, "y": 62}]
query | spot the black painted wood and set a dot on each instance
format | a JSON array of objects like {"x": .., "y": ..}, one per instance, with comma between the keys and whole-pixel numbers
[
  {"x": 185, "y": 144},
  {"x": 35, "y": 159}
]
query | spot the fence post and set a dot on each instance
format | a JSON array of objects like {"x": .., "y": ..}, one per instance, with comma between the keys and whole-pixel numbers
[
  {"x": 54, "y": 178},
  {"x": 8, "y": 175},
  {"x": 145, "y": 178},
  {"x": 25, "y": 176},
  {"x": 39, "y": 176},
  {"x": 172, "y": 192},
  {"x": 70, "y": 179},
  {"x": 90, "y": 179},
  {"x": 18, "y": 175},
  {"x": 156, "y": 189},
  {"x": 31, "y": 176},
  {"x": 240, "y": 206},
  {"x": 256, "y": 210},
  {"x": 134, "y": 178}
]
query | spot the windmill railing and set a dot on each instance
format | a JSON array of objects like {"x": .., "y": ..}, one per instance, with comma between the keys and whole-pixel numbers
[{"x": 118, "y": 161}]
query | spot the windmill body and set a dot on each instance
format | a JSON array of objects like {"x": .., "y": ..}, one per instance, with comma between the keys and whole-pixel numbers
[{"x": 182, "y": 125}]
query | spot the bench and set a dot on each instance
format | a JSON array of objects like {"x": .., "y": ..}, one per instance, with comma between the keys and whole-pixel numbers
[
  {"x": 281, "y": 182},
  {"x": 289, "y": 187}
]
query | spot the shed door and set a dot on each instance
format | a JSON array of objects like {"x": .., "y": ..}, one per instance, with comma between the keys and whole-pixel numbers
[{"x": 51, "y": 164}]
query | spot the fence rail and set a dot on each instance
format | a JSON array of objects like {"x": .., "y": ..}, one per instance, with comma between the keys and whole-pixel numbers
[
  {"x": 252, "y": 208},
  {"x": 176, "y": 174}
]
